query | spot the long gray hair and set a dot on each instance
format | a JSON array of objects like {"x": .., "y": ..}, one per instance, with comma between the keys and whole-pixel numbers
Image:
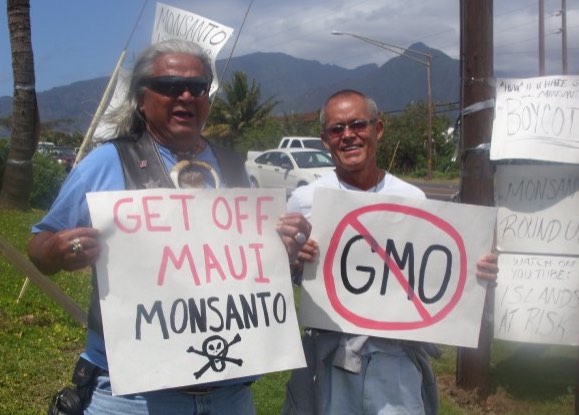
[{"x": 126, "y": 117}]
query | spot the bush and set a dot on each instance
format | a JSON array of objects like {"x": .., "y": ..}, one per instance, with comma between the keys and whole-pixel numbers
[{"x": 47, "y": 176}]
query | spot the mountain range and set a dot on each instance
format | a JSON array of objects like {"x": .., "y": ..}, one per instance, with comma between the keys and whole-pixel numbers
[{"x": 299, "y": 85}]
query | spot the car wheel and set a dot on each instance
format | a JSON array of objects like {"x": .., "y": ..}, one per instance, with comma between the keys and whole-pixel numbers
[{"x": 253, "y": 182}]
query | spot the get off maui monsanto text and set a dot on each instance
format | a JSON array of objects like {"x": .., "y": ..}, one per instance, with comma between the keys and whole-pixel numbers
[{"x": 194, "y": 286}]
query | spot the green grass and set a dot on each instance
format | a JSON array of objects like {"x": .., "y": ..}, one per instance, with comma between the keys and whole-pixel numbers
[
  {"x": 38, "y": 341},
  {"x": 39, "y": 344}
]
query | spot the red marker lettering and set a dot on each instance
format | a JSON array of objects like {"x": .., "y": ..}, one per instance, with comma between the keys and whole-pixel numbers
[{"x": 120, "y": 224}]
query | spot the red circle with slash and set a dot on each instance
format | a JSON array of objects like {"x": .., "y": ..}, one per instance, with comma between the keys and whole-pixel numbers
[{"x": 427, "y": 319}]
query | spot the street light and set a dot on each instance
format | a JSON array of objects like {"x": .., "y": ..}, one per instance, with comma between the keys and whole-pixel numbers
[{"x": 426, "y": 62}]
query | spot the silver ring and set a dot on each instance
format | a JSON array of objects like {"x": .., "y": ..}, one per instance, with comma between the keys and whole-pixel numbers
[
  {"x": 76, "y": 246},
  {"x": 300, "y": 238}
]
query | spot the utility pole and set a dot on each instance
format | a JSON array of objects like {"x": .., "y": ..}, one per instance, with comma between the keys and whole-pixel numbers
[
  {"x": 564, "y": 35},
  {"x": 541, "y": 37},
  {"x": 430, "y": 109},
  {"x": 476, "y": 184}
]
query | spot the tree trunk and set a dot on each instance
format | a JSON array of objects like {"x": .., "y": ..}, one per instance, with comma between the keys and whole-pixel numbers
[{"x": 17, "y": 180}]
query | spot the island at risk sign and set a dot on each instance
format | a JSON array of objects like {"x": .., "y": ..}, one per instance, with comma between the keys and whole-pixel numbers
[
  {"x": 194, "y": 286},
  {"x": 537, "y": 299}
]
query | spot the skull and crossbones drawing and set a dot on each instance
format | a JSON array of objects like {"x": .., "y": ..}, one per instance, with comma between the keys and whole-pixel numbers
[{"x": 215, "y": 349}]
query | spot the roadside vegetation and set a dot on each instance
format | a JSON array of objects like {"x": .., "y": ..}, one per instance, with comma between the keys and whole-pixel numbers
[{"x": 47, "y": 176}]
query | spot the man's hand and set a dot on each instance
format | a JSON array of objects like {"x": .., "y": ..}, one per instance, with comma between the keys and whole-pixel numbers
[
  {"x": 487, "y": 268},
  {"x": 68, "y": 250}
]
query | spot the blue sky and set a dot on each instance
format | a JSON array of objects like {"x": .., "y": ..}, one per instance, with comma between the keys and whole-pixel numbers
[{"x": 75, "y": 40}]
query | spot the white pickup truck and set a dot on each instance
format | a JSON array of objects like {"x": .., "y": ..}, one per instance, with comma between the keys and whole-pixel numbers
[
  {"x": 294, "y": 142},
  {"x": 302, "y": 142}
]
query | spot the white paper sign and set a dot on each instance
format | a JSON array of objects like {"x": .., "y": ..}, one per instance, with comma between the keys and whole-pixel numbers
[
  {"x": 194, "y": 286},
  {"x": 537, "y": 119},
  {"x": 171, "y": 23},
  {"x": 396, "y": 268},
  {"x": 538, "y": 208},
  {"x": 537, "y": 299}
]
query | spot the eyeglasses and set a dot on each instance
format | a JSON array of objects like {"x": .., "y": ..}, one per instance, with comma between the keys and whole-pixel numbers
[
  {"x": 174, "y": 86},
  {"x": 356, "y": 126}
]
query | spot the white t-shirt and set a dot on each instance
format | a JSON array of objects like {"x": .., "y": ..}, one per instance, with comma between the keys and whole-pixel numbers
[{"x": 302, "y": 198}]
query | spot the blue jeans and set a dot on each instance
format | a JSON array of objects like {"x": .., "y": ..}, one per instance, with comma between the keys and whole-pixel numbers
[
  {"x": 389, "y": 382},
  {"x": 230, "y": 400}
]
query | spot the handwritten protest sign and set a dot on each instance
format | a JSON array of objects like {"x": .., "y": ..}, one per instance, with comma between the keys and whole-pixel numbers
[
  {"x": 538, "y": 208},
  {"x": 537, "y": 299},
  {"x": 194, "y": 286},
  {"x": 537, "y": 119},
  {"x": 397, "y": 268},
  {"x": 173, "y": 23}
]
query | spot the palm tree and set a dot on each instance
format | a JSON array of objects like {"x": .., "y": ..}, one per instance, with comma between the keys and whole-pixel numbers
[
  {"x": 17, "y": 180},
  {"x": 239, "y": 109}
]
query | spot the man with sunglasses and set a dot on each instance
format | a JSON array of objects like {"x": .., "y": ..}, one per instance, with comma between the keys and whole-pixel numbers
[
  {"x": 159, "y": 126},
  {"x": 353, "y": 374}
]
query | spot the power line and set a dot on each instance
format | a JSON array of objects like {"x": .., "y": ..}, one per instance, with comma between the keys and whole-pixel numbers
[{"x": 524, "y": 52}]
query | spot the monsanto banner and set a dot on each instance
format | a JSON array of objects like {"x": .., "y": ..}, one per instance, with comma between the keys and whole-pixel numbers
[
  {"x": 194, "y": 286},
  {"x": 173, "y": 23}
]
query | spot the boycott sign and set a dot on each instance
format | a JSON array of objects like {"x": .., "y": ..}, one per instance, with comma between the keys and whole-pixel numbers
[
  {"x": 537, "y": 299},
  {"x": 537, "y": 119},
  {"x": 397, "y": 268},
  {"x": 194, "y": 286}
]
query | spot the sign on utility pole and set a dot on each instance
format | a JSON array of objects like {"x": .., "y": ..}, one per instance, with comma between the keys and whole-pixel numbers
[{"x": 476, "y": 187}]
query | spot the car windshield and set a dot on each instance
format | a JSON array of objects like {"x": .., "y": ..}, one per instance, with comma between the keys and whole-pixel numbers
[
  {"x": 316, "y": 144},
  {"x": 312, "y": 159}
]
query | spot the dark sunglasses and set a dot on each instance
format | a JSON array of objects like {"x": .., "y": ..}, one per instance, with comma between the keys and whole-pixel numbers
[
  {"x": 174, "y": 86},
  {"x": 356, "y": 126}
]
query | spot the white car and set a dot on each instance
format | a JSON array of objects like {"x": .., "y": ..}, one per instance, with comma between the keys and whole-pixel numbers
[{"x": 288, "y": 168}]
